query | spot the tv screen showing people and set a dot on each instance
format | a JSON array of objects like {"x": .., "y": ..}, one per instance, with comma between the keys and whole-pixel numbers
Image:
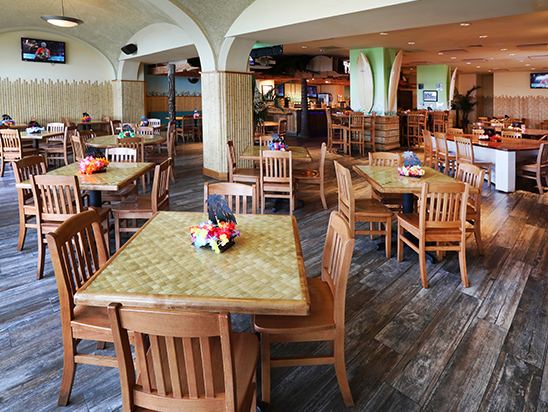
[
  {"x": 312, "y": 91},
  {"x": 38, "y": 50},
  {"x": 539, "y": 80}
]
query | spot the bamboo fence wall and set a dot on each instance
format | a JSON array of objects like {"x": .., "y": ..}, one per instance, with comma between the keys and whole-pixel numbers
[
  {"x": 227, "y": 115},
  {"x": 48, "y": 100},
  {"x": 533, "y": 108}
]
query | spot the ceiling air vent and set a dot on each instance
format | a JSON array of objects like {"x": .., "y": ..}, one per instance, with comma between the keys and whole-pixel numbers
[
  {"x": 474, "y": 45},
  {"x": 419, "y": 63},
  {"x": 499, "y": 70},
  {"x": 539, "y": 57},
  {"x": 532, "y": 46},
  {"x": 454, "y": 51},
  {"x": 480, "y": 60}
]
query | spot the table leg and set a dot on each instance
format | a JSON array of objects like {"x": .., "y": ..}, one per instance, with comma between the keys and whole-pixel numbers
[{"x": 95, "y": 198}]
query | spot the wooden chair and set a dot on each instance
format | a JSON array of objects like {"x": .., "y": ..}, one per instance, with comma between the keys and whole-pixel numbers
[
  {"x": 78, "y": 147},
  {"x": 187, "y": 361},
  {"x": 423, "y": 120},
  {"x": 478, "y": 132},
  {"x": 465, "y": 154},
  {"x": 536, "y": 170},
  {"x": 137, "y": 144},
  {"x": 11, "y": 148},
  {"x": 439, "y": 122},
  {"x": 441, "y": 220},
  {"x": 56, "y": 199},
  {"x": 369, "y": 126},
  {"x": 132, "y": 125},
  {"x": 444, "y": 159},
  {"x": 264, "y": 140},
  {"x": 146, "y": 130},
  {"x": 189, "y": 128},
  {"x": 326, "y": 319},
  {"x": 240, "y": 197},
  {"x": 429, "y": 152},
  {"x": 155, "y": 123},
  {"x": 115, "y": 127},
  {"x": 276, "y": 177},
  {"x": 78, "y": 250},
  {"x": 354, "y": 132},
  {"x": 282, "y": 127},
  {"x": 312, "y": 180},
  {"x": 544, "y": 124},
  {"x": 66, "y": 122},
  {"x": 160, "y": 157},
  {"x": 413, "y": 129},
  {"x": 335, "y": 131},
  {"x": 120, "y": 154},
  {"x": 454, "y": 130},
  {"x": 473, "y": 175},
  {"x": 59, "y": 152},
  {"x": 86, "y": 134},
  {"x": 362, "y": 210},
  {"x": 241, "y": 175},
  {"x": 23, "y": 169},
  {"x": 143, "y": 206},
  {"x": 394, "y": 201},
  {"x": 55, "y": 127},
  {"x": 512, "y": 134}
]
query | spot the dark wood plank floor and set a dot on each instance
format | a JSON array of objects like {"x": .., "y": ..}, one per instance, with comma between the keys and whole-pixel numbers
[{"x": 444, "y": 348}]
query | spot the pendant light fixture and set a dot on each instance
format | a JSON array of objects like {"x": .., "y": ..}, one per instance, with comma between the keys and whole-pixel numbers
[{"x": 62, "y": 20}]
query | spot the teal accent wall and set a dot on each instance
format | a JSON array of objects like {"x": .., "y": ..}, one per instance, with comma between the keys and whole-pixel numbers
[
  {"x": 432, "y": 77},
  {"x": 381, "y": 60}
]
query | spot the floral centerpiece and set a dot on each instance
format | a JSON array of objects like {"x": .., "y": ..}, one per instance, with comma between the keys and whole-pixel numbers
[
  {"x": 85, "y": 118},
  {"x": 412, "y": 166},
  {"x": 34, "y": 129},
  {"x": 217, "y": 236},
  {"x": 7, "y": 122},
  {"x": 91, "y": 164},
  {"x": 126, "y": 133},
  {"x": 517, "y": 128},
  {"x": 143, "y": 122},
  {"x": 277, "y": 143}
]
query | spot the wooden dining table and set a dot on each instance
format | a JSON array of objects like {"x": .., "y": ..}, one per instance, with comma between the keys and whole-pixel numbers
[
  {"x": 298, "y": 153},
  {"x": 37, "y": 137},
  {"x": 117, "y": 175},
  {"x": 112, "y": 139},
  {"x": 159, "y": 267}
]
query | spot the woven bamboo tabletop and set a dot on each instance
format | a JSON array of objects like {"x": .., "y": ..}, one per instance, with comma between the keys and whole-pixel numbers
[
  {"x": 110, "y": 140},
  {"x": 118, "y": 175},
  {"x": 263, "y": 273},
  {"x": 297, "y": 153},
  {"x": 386, "y": 179}
]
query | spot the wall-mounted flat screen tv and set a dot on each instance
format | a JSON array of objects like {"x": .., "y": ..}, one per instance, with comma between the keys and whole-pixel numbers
[
  {"x": 430, "y": 96},
  {"x": 539, "y": 81},
  {"x": 46, "y": 51},
  {"x": 312, "y": 91},
  {"x": 280, "y": 90}
]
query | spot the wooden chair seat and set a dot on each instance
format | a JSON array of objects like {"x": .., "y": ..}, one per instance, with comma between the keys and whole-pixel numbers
[
  {"x": 241, "y": 174},
  {"x": 411, "y": 222},
  {"x": 120, "y": 195},
  {"x": 368, "y": 207},
  {"x": 394, "y": 201},
  {"x": 536, "y": 170}
]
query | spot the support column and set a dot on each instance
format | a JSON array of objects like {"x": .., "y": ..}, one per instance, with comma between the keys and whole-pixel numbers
[
  {"x": 227, "y": 107},
  {"x": 171, "y": 91},
  {"x": 128, "y": 100}
]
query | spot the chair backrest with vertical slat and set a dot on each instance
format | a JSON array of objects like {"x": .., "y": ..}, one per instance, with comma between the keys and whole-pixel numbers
[
  {"x": 78, "y": 147},
  {"x": 78, "y": 250},
  {"x": 441, "y": 144},
  {"x": 276, "y": 167},
  {"x": 511, "y": 133},
  {"x": 67, "y": 139},
  {"x": 478, "y": 132},
  {"x": 239, "y": 196},
  {"x": 154, "y": 122},
  {"x": 231, "y": 159},
  {"x": 86, "y": 134},
  {"x": 384, "y": 159},
  {"x": 121, "y": 154},
  {"x": 144, "y": 131},
  {"x": 11, "y": 146},
  {"x": 160, "y": 186},
  {"x": 474, "y": 176},
  {"x": 356, "y": 120},
  {"x": 454, "y": 130},
  {"x": 57, "y": 197},
  {"x": 184, "y": 359},
  {"x": 24, "y": 168},
  {"x": 443, "y": 206},
  {"x": 133, "y": 143},
  {"x": 282, "y": 127},
  {"x": 264, "y": 140},
  {"x": 347, "y": 201},
  {"x": 55, "y": 127},
  {"x": 114, "y": 126},
  {"x": 336, "y": 259},
  {"x": 465, "y": 150}
]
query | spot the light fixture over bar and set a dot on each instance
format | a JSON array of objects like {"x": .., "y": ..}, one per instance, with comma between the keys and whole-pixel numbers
[{"x": 62, "y": 21}]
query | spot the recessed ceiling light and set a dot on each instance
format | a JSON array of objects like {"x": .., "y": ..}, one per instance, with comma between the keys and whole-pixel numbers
[
  {"x": 478, "y": 67},
  {"x": 440, "y": 53},
  {"x": 532, "y": 68},
  {"x": 304, "y": 47},
  {"x": 512, "y": 54},
  {"x": 322, "y": 50},
  {"x": 410, "y": 42},
  {"x": 465, "y": 24},
  {"x": 383, "y": 33},
  {"x": 503, "y": 49},
  {"x": 527, "y": 64},
  {"x": 411, "y": 69},
  {"x": 453, "y": 57},
  {"x": 483, "y": 36},
  {"x": 468, "y": 62}
]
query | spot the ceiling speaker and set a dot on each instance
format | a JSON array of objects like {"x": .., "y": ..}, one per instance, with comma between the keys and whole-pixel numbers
[
  {"x": 129, "y": 48},
  {"x": 193, "y": 80}
]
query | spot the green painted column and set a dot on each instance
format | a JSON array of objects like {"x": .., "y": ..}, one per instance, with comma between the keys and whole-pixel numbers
[
  {"x": 380, "y": 60},
  {"x": 435, "y": 81}
]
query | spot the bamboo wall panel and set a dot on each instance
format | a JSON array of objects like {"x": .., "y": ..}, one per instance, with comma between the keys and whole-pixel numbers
[
  {"x": 533, "y": 108},
  {"x": 132, "y": 100},
  {"x": 48, "y": 100},
  {"x": 227, "y": 115},
  {"x": 183, "y": 103}
]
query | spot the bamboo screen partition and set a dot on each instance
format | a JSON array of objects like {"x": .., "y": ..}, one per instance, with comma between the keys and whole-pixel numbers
[
  {"x": 533, "y": 108},
  {"x": 48, "y": 100}
]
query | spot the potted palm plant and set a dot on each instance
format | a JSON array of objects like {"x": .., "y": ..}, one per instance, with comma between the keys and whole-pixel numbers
[
  {"x": 263, "y": 103},
  {"x": 464, "y": 103}
]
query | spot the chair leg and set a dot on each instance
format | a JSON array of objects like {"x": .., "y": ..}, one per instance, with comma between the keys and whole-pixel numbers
[
  {"x": 101, "y": 345},
  {"x": 477, "y": 234},
  {"x": 322, "y": 196},
  {"x": 539, "y": 184},
  {"x": 2, "y": 166},
  {"x": 69, "y": 368},
  {"x": 422, "y": 263},
  {"x": 22, "y": 230},
  {"x": 462, "y": 263},
  {"x": 388, "y": 239},
  {"x": 340, "y": 369},
  {"x": 41, "y": 257},
  {"x": 117, "y": 239},
  {"x": 400, "y": 243},
  {"x": 265, "y": 367}
]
